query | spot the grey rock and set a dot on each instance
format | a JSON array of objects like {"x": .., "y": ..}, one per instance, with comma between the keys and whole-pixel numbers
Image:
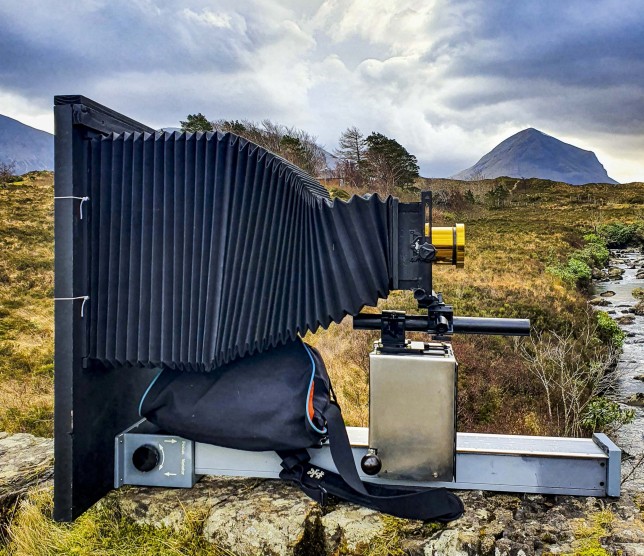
[
  {"x": 625, "y": 320},
  {"x": 447, "y": 543},
  {"x": 171, "y": 507},
  {"x": 25, "y": 462},
  {"x": 615, "y": 273},
  {"x": 353, "y": 528},
  {"x": 600, "y": 302},
  {"x": 252, "y": 516},
  {"x": 636, "y": 399},
  {"x": 598, "y": 274},
  {"x": 607, "y": 293},
  {"x": 631, "y": 549},
  {"x": 273, "y": 518}
]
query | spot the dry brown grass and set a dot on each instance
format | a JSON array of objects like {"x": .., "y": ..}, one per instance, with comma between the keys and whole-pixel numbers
[
  {"x": 26, "y": 305},
  {"x": 508, "y": 250}
]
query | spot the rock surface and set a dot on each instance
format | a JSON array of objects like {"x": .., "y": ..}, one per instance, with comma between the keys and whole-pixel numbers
[
  {"x": 25, "y": 462},
  {"x": 250, "y": 516},
  {"x": 600, "y": 302},
  {"x": 269, "y": 517}
]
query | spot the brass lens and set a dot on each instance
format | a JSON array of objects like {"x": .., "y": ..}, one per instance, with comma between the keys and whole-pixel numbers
[{"x": 449, "y": 243}]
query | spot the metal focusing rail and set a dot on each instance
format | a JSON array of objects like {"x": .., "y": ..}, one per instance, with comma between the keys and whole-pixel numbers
[{"x": 494, "y": 462}]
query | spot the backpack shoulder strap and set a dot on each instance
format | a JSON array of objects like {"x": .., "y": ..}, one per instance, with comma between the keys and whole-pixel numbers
[{"x": 413, "y": 503}]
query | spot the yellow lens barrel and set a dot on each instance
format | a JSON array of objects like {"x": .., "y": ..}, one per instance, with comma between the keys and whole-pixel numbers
[{"x": 449, "y": 243}]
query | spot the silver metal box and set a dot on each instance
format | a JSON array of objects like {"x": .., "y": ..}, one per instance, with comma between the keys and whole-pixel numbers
[{"x": 412, "y": 412}]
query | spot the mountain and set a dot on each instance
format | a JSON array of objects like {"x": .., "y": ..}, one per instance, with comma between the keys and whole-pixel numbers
[
  {"x": 29, "y": 148},
  {"x": 533, "y": 154},
  {"x": 330, "y": 159}
]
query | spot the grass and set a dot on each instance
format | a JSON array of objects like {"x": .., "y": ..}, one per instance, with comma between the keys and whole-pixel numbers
[
  {"x": 511, "y": 239},
  {"x": 510, "y": 243},
  {"x": 101, "y": 531},
  {"x": 509, "y": 246},
  {"x": 26, "y": 305}
]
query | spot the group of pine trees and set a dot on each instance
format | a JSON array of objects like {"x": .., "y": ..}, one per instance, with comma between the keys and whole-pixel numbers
[{"x": 373, "y": 162}]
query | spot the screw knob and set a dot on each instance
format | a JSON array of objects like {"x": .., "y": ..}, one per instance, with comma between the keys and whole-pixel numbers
[
  {"x": 371, "y": 463},
  {"x": 145, "y": 458}
]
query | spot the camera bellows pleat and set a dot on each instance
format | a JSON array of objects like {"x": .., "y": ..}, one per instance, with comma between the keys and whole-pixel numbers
[{"x": 206, "y": 248}]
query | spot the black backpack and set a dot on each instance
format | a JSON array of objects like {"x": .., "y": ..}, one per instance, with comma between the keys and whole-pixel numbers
[{"x": 282, "y": 400}]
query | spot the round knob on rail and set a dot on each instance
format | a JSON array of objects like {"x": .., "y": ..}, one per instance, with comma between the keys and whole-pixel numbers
[
  {"x": 145, "y": 458},
  {"x": 371, "y": 463}
]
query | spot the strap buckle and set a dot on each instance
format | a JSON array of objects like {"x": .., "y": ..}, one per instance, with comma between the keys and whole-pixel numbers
[{"x": 293, "y": 460}]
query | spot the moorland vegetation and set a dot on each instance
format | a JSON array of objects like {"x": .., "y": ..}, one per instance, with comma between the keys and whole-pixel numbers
[{"x": 532, "y": 246}]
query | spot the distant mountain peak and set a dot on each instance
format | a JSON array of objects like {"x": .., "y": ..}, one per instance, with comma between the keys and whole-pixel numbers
[
  {"x": 26, "y": 147},
  {"x": 531, "y": 153}
]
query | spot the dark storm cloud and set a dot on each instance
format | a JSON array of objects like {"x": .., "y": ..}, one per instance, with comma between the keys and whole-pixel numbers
[
  {"x": 448, "y": 78},
  {"x": 570, "y": 59},
  {"x": 52, "y": 45}
]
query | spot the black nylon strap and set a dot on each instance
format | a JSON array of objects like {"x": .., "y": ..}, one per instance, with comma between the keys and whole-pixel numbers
[{"x": 425, "y": 504}]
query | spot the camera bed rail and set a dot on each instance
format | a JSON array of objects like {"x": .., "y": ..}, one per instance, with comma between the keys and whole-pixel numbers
[{"x": 495, "y": 462}]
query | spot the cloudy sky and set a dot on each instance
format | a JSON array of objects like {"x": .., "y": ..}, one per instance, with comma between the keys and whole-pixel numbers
[{"x": 448, "y": 79}]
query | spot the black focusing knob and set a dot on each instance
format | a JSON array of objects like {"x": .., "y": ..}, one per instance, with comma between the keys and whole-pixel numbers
[
  {"x": 371, "y": 463},
  {"x": 145, "y": 458}
]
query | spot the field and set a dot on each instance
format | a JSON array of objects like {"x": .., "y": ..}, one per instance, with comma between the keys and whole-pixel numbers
[
  {"x": 513, "y": 235},
  {"x": 26, "y": 305},
  {"x": 510, "y": 241}
]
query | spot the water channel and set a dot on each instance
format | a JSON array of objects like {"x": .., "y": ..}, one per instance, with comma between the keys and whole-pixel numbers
[{"x": 630, "y": 368}]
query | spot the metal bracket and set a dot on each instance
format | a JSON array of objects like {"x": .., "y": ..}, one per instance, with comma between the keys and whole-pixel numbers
[
  {"x": 173, "y": 458},
  {"x": 495, "y": 462}
]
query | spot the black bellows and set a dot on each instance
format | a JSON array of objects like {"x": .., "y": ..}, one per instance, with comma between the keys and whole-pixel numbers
[{"x": 205, "y": 248}]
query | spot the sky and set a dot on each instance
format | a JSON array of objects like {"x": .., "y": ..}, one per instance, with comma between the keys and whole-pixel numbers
[{"x": 448, "y": 79}]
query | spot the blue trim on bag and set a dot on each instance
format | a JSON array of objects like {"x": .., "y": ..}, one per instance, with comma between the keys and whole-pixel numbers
[
  {"x": 308, "y": 392},
  {"x": 147, "y": 391}
]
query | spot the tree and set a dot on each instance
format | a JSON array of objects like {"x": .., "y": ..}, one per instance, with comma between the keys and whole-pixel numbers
[
  {"x": 352, "y": 153},
  {"x": 352, "y": 146},
  {"x": 196, "y": 122},
  {"x": 389, "y": 164},
  {"x": 6, "y": 171},
  {"x": 291, "y": 143}
]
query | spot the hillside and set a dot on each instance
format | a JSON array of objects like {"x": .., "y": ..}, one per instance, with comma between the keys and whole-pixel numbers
[
  {"x": 533, "y": 154},
  {"x": 28, "y": 148},
  {"x": 507, "y": 253}
]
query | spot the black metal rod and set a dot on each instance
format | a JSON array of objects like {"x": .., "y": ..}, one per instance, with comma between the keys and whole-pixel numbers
[
  {"x": 488, "y": 326},
  {"x": 462, "y": 325}
]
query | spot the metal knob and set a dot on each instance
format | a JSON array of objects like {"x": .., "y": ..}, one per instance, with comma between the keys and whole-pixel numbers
[
  {"x": 371, "y": 463},
  {"x": 145, "y": 458}
]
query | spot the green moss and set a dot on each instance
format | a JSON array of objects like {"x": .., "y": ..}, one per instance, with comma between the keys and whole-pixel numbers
[
  {"x": 389, "y": 542},
  {"x": 590, "y": 532}
]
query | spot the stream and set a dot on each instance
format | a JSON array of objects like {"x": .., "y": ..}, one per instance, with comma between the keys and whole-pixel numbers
[{"x": 630, "y": 438}]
